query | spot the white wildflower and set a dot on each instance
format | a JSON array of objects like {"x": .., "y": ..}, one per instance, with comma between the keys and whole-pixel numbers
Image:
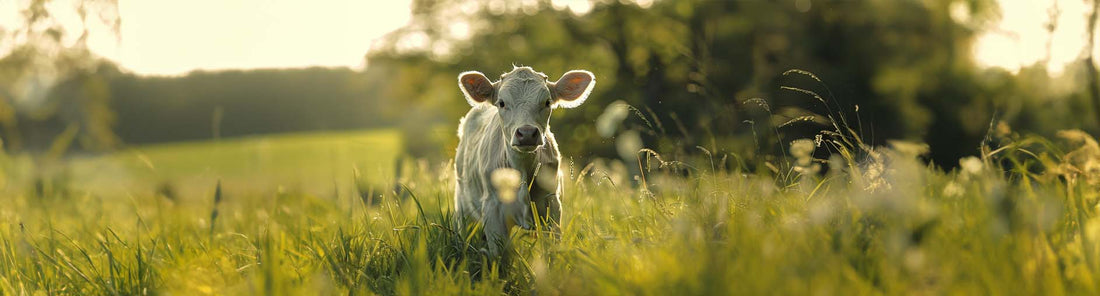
[
  {"x": 506, "y": 181},
  {"x": 953, "y": 189},
  {"x": 611, "y": 118},
  {"x": 802, "y": 148},
  {"x": 971, "y": 165},
  {"x": 628, "y": 144}
]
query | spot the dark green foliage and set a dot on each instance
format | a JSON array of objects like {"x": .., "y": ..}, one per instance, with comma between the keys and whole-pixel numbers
[
  {"x": 159, "y": 109},
  {"x": 691, "y": 67}
]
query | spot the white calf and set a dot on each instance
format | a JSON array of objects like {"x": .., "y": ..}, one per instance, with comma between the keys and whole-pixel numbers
[{"x": 508, "y": 132}]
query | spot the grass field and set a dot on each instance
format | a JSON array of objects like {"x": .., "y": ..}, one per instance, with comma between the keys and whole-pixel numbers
[
  {"x": 288, "y": 219},
  {"x": 317, "y": 163}
]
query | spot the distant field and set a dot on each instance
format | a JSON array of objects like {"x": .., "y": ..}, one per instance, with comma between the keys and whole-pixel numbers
[{"x": 316, "y": 163}]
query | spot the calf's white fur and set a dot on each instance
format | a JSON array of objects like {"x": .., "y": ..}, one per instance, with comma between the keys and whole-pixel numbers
[{"x": 507, "y": 129}]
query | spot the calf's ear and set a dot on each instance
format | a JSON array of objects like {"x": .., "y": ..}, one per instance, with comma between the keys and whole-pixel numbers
[
  {"x": 475, "y": 87},
  {"x": 572, "y": 88}
]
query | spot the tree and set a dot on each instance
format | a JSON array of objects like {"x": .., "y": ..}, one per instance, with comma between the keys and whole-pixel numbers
[
  {"x": 1090, "y": 61},
  {"x": 689, "y": 67},
  {"x": 51, "y": 82}
]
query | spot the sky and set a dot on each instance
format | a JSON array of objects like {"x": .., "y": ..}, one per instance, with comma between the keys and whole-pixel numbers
[{"x": 171, "y": 37}]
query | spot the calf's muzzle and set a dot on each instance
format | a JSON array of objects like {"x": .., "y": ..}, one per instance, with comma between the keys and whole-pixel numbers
[{"x": 527, "y": 136}]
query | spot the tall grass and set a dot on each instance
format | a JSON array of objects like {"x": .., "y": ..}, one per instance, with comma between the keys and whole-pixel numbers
[{"x": 1019, "y": 219}]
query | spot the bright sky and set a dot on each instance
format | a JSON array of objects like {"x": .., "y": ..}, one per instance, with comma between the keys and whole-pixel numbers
[
  {"x": 170, "y": 37},
  {"x": 1021, "y": 38}
]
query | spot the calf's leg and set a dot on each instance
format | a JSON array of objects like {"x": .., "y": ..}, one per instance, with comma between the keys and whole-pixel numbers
[{"x": 495, "y": 228}]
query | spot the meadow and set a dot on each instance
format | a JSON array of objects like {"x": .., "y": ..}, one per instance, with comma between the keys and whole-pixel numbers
[
  {"x": 328, "y": 214},
  {"x": 702, "y": 164}
]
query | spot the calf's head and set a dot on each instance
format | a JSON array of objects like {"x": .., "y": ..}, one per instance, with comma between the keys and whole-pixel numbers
[{"x": 524, "y": 99}]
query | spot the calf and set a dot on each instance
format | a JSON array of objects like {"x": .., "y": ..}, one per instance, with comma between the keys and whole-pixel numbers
[{"x": 506, "y": 135}]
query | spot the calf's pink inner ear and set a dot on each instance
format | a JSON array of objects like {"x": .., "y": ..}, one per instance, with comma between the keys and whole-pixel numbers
[
  {"x": 574, "y": 85},
  {"x": 475, "y": 86}
]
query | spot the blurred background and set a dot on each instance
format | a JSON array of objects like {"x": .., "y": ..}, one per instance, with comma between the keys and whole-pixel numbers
[{"x": 81, "y": 78}]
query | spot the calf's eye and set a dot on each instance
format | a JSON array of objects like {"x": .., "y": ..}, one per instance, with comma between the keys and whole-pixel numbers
[
  {"x": 500, "y": 104},
  {"x": 548, "y": 103}
]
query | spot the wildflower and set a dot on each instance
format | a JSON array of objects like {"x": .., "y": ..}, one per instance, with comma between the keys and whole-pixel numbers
[
  {"x": 808, "y": 170},
  {"x": 612, "y": 116},
  {"x": 953, "y": 189},
  {"x": 802, "y": 150},
  {"x": 970, "y": 165},
  {"x": 627, "y": 145},
  {"x": 506, "y": 181}
]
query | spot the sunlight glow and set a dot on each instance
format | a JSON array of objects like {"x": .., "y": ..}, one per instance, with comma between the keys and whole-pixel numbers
[
  {"x": 1020, "y": 37},
  {"x": 166, "y": 37},
  {"x": 579, "y": 7}
]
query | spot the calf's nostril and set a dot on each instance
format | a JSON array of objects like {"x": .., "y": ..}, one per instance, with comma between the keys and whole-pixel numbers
[{"x": 527, "y": 136}]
